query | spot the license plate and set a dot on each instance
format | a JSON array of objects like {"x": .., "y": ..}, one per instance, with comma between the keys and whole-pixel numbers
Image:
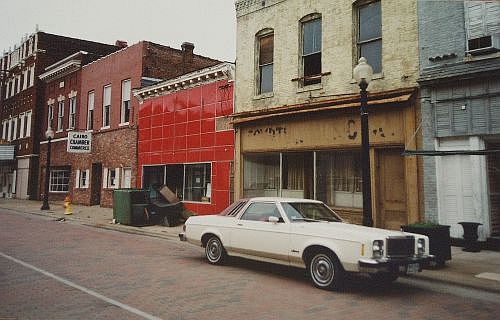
[{"x": 412, "y": 268}]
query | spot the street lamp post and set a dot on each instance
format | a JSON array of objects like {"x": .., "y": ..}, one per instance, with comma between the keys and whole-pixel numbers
[
  {"x": 49, "y": 134},
  {"x": 363, "y": 73}
]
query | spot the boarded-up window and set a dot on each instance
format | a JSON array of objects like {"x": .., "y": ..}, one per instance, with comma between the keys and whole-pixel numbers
[
  {"x": 266, "y": 48},
  {"x": 482, "y": 23},
  {"x": 370, "y": 34}
]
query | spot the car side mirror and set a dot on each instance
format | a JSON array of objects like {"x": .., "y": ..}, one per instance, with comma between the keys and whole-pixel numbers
[{"x": 273, "y": 219}]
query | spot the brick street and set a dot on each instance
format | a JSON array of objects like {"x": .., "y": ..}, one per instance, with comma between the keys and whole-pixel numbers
[{"x": 168, "y": 279}]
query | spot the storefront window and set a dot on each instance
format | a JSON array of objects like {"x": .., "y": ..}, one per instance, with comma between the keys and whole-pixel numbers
[
  {"x": 338, "y": 179},
  {"x": 261, "y": 175},
  {"x": 59, "y": 180},
  {"x": 197, "y": 186}
]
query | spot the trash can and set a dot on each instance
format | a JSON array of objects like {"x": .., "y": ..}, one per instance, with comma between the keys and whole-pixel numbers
[{"x": 129, "y": 206}]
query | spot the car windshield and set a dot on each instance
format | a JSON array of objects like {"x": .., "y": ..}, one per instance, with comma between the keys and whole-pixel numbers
[{"x": 309, "y": 211}]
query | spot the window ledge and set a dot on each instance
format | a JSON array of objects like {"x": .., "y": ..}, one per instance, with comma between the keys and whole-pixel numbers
[
  {"x": 264, "y": 96},
  {"x": 89, "y": 130},
  {"x": 105, "y": 128},
  {"x": 376, "y": 76},
  {"x": 478, "y": 57},
  {"x": 123, "y": 124},
  {"x": 61, "y": 130},
  {"x": 312, "y": 87}
]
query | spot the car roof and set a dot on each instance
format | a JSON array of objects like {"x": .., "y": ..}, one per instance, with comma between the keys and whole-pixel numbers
[{"x": 281, "y": 199}]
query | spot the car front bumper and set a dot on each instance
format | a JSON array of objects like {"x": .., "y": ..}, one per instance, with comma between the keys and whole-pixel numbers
[
  {"x": 396, "y": 265},
  {"x": 182, "y": 236}
]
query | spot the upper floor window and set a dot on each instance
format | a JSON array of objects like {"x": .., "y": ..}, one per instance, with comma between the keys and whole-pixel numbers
[
  {"x": 482, "y": 24},
  {"x": 125, "y": 112},
  {"x": 60, "y": 115},
  {"x": 265, "y": 49},
  {"x": 90, "y": 110},
  {"x": 106, "y": 107},
  {"x": 72, "y": 113},
  {"x": 50, "y": 115},
  {"x": 370, "y": 34},
  {"x": 311, "y": 50}
]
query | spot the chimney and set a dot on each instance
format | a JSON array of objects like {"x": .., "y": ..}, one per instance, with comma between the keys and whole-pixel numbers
[
  {"x": 121, "y": 44},
  {"x": 187, "y": 55}
]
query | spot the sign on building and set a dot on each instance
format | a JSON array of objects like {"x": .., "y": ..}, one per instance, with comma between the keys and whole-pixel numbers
[{"x": 79, "y": 142}]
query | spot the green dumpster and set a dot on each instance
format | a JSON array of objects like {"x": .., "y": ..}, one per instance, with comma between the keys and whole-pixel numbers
[{"x": 129, "y": 206}]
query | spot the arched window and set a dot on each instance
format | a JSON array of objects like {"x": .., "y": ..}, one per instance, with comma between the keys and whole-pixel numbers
[
  {"x": 311, "y": 49},
  {"x": 265, "y": 60}
]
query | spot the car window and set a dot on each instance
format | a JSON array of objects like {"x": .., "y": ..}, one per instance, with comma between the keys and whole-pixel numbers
[
  {"x": 261, "y": 211},
  {"x": 234, "y": 208},
  {"x": 298, "y": 211}
]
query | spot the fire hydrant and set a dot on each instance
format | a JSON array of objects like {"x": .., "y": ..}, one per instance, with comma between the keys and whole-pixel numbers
[{"x": 67, "y": 205}]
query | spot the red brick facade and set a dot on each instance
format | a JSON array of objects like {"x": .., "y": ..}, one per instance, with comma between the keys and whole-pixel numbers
[{"x": 112, "y": 162}]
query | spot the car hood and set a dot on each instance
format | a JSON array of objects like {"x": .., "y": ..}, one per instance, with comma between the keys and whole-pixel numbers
[{"x": 346, "y": 231}]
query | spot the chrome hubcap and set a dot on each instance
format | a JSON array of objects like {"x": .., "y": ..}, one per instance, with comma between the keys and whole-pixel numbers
[
  {"x": 322, "y": 269},
  {"x": 213, "y": 250}
]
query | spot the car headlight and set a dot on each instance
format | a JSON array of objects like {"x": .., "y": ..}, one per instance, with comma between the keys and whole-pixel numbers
[
  {"x": 378, "y": 249},
  {"x": 421, "y": 246}
]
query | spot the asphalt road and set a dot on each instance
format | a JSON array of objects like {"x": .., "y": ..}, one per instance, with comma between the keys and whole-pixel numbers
[{"x": 62, "y": 270}]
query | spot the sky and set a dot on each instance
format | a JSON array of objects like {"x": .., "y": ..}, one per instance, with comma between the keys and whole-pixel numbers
[{"x": 209, "y": 24}]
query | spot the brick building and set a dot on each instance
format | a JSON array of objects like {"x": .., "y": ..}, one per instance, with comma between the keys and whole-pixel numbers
[
  {"x": 185, "y": 141},
  {"x": 109, "y": 113},
  {"x": 22, "y": 103},
  {"x": 297, "y": 119}
]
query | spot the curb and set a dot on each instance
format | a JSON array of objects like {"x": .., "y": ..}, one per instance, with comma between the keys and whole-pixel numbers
[{"x": 457, "y": 283}]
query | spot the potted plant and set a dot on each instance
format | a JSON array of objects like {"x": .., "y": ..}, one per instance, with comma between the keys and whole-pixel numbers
[{"x": 439, "y": 239}]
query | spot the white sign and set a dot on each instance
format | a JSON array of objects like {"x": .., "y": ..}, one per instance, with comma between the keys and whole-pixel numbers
[{"x": 79, "y": 142}]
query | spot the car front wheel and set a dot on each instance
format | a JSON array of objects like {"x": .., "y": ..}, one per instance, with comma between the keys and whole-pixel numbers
[
  {"x": 325, "y": 271},
  {"x": 214, "y": 251}
]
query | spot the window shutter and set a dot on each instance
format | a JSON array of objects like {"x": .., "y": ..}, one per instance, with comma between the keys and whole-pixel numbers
[
  {"x": 77, "y": 179},
  {"x": 481, "y": 18},
  {"x": 105, "y": 178},
  {"x": 117, "y": 178},
  {"x": 87, "y": 175}
]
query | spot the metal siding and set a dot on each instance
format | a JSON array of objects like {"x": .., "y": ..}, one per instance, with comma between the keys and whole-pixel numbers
[
  {"x": 442, "y": 119},
  {"x": 6, "y": 152},
  {"x": 477, "y": 108},
  {"x": 460, "y": 120}
]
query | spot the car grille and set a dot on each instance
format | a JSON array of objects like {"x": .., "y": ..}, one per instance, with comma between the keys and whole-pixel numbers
[{"x": 401, "y": 247}]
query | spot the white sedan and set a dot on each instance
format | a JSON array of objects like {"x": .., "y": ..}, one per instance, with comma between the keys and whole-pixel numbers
[{"x": 307, "y": 234}]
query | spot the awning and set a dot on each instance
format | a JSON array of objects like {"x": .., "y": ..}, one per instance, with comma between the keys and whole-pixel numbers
[{"x": 349, "y": 101}]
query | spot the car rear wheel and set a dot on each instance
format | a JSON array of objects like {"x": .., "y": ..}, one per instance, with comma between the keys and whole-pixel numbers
[
  {"x": 325, "y": 271},
  {"x": 214, "y": 251}
]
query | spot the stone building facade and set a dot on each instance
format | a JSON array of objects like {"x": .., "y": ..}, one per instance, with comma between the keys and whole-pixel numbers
[
  {"x": 460, "y": 81},
  {"x": 185, "y": 140},
  {"x": 109, "y": 112},
  {"x": 297, "y": 119},
  {"x": 22, "y": 101}
]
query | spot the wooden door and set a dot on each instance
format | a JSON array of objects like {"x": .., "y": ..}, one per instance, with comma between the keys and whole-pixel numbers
[
  {"x": 95, "y": 186},
  {"x": 391, "y": 190}
]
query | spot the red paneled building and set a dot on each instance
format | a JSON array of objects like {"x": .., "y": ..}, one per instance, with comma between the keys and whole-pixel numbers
[{"x": 185, "y": 139}]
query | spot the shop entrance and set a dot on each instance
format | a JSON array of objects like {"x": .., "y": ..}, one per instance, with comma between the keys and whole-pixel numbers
[{"x": 392, "y": 206}]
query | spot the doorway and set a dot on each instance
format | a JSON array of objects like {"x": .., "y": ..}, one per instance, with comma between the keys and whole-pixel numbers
[
  {"x": 391, "y": 186},
  {"x": 95, "y": 187}
]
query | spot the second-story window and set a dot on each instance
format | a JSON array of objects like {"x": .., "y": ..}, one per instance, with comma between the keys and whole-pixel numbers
[
  {"x": 311, "y": 50},
  {"x": 50, "y": 115},
  {"x": 370, "y": 34},
  {"x": 106, "y": 107},
  {"x": 60, "y": 116},
  {"x": 265, "y": 49},
  {"x": 72, "y": 113},
  {"x": 90, "y": 110},
  {"x": 482, "y": 26},
  {"x": 125, "y": 112}
]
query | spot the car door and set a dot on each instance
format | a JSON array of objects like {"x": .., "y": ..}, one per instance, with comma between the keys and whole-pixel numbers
[{"x": 254, "y": 235}]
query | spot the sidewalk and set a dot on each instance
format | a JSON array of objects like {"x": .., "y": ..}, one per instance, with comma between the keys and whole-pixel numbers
[{"x": 480, "y": 270}]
